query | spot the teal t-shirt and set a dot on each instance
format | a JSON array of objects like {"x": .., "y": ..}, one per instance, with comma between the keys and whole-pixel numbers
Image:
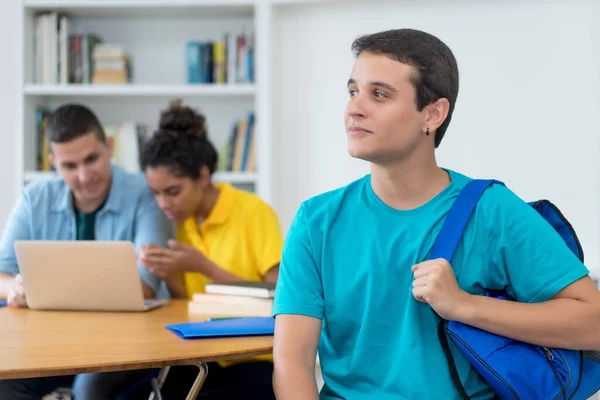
[
  {"x": 347, "y": 260},
  {"x": 86, "y": 224}
]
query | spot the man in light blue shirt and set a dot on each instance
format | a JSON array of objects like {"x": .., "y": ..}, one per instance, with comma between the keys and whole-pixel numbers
[
  {"x": 90, "y": 199},
  {"x": 355, "y": 281}
]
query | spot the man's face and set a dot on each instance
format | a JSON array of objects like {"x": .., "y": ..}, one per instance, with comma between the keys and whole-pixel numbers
[
  {"x": 84, "y": 164},
  {"x": 381, "y": 119}
]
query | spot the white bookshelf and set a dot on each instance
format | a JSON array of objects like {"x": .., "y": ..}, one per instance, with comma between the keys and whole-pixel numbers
[
  {"x": 156, "y": 90},
  {"x": 246, "y": 178},
  {"x": 154, "y": 33}
]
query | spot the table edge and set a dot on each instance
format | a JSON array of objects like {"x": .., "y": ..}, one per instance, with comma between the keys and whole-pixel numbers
[{"x": 133, "y": 365}]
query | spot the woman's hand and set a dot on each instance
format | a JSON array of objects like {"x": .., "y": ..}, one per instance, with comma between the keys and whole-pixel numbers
[{"x": 172, "y": 261}]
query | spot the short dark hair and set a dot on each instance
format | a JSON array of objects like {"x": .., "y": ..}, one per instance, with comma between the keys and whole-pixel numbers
[
  {"x": 180, "y": 143},
  {"x": 436, "y": 70},
  {"x": 71, "y": 121}
]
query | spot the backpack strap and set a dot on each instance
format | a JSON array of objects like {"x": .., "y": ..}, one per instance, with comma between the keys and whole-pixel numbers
[
  {"x": 445, "y": 246},
  {"x": 457, "y": 219}
]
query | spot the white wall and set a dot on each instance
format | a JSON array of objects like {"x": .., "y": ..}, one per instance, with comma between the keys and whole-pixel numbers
[
  {"x": 525, "y": 114},
  {"x": 9, "y": 11}
]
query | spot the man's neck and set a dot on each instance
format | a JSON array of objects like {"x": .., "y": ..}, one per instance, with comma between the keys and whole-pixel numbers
[
  {"x": 408, "y": 184},
  {"x": 88, "y": 207}
]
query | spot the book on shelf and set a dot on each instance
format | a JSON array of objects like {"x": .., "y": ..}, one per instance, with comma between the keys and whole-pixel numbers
[
  {"x": 238, "y": 153},
  {"x": 229, "y": 60},
  {"x": 62, "y": 56},
  {"x": 42, "y": 149},
  {"x": 128, "y": 139}
]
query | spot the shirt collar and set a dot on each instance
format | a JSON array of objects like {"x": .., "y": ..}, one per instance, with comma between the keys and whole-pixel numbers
[
  {"x": 115, "y": 200},
  {"x": 220, "y": 212}
]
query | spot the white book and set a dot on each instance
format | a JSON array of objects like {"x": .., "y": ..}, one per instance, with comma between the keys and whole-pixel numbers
[
  {"x": 53, "y": 37},
  {"x": 39, "y": 49},
  {"x": 64, "y": 50},
  {"x": 251, "y": 289}
]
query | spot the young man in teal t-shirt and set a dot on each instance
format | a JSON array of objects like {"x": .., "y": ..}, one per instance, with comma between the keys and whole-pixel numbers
[{"x": 354, "y": 281}]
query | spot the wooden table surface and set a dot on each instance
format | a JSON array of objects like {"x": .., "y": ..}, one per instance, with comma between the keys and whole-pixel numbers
[{"x": 45, "y": 343}]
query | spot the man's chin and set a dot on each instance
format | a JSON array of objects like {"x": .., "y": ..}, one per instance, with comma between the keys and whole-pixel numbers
[{"x": 358, "y": 154}]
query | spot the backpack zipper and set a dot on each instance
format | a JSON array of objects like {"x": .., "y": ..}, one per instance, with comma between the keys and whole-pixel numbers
[{"x": 551, "y": 359}]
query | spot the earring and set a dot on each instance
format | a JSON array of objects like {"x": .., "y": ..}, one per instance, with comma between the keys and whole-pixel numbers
[{"x": 427, "y": 132}]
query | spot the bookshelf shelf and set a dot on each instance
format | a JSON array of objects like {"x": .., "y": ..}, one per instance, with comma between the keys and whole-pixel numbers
[
  {"x": 235, "y": 177},
  {"x": 29, "y": 176},
  {"x": 140, "y": 90},
  {"x": 144, "y": 8},
  {"x": 230, "y": 177}
]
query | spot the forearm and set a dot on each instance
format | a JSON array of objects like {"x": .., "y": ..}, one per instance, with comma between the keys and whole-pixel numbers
[
  {"x": 562, "y": 323},
  {"x": 147, "y": 291},
  {"x": 6, "y": 283},
  {"x": 215, "y": 273},
  {"x": 176, "y": 286},
  {"x": 292, "y": 379}
]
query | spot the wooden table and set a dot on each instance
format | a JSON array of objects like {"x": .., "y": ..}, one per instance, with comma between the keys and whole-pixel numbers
[{"x": 46, "y": 343}]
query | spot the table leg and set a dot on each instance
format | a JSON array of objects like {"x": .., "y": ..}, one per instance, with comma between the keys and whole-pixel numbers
[
  {"x": 195, "y": 389},
  {"x": 202, "y": 373}
]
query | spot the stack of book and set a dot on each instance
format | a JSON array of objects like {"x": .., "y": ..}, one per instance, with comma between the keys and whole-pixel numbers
[
  {"x": 111, "y": 64},
  {"x": 234, "y": 299}
]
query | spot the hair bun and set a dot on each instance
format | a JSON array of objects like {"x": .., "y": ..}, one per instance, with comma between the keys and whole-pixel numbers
[{"x": 183, "y": 120}]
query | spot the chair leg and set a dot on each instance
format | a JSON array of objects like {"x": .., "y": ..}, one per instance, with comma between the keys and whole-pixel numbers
[{"x": 157, "y": 384}]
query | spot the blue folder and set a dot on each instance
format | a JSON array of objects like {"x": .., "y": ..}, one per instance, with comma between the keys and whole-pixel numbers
[{"x": 249, "y": 326}]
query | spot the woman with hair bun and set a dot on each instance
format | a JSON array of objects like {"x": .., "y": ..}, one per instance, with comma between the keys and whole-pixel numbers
[{"x": 223, "y": 234}]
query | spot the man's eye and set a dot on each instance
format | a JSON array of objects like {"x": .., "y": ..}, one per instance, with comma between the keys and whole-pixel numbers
[
  {"x": 352, "y": 93},
  {"x": 379, "y": 94}
]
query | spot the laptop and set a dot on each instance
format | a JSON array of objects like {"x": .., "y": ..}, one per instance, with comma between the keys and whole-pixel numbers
[{"x": 82, "y": 275}]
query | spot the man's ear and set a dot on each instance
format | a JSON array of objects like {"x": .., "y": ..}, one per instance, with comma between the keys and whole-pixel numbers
[
  {"x": 437, "y": 113},
  {"x": 110, "y": 143},
  {"x": 51, "y": 160}
]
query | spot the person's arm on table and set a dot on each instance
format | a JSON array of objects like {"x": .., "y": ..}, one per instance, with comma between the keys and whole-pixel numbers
[
  {"x": 152, "y": 228},
  {"x": 7, "y": 282},
  {"x": 17, "y": 228}
]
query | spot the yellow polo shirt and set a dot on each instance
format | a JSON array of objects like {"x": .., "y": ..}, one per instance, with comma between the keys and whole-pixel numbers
[{"x": 242, "y": 235}]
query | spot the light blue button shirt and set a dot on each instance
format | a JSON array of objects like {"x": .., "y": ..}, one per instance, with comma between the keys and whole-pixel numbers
[{"x": 45, "y": 212}]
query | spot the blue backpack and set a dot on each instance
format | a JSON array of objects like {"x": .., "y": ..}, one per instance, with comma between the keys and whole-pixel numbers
[{"x": 513, "y": 369}]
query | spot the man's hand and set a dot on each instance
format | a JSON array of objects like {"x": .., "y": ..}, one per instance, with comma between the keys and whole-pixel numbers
[
  {"x": 16, "y": 294},
  {"x": 175, "y": 260},
  {"x": 436, "y": 285}
]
